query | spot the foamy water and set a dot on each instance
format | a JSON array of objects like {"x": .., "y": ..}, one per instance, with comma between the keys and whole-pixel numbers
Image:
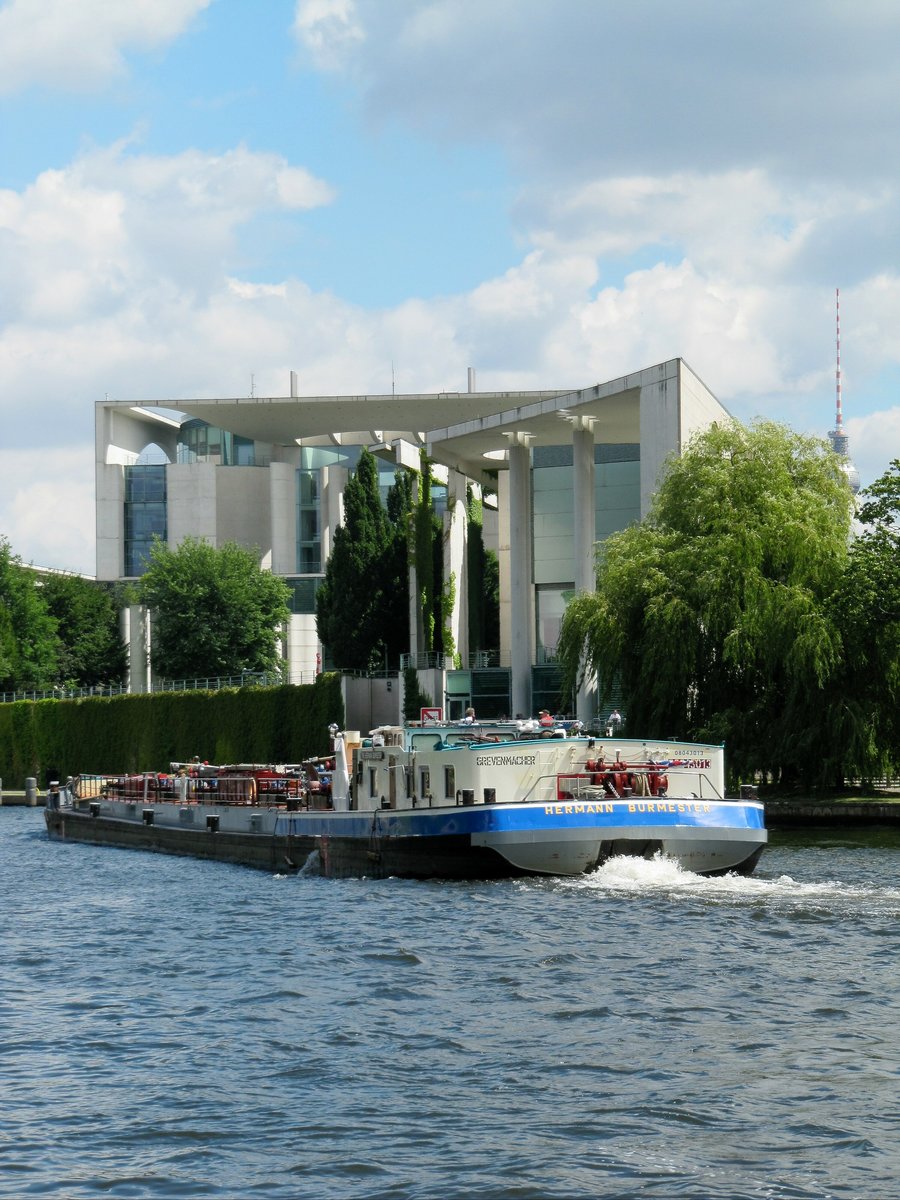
[{"x": 661, "y": 875}]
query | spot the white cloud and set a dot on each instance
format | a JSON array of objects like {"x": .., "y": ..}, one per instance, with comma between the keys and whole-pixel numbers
[
  {"x": 80, "y": 46},
  {"x": 874, "y": 442},
  {"x": 113, "y": 227},
  {"x": 616, "y": 89},
  {"x": 127, "y": 273},
  {"x": 47, "y": 506},
  {"x": 328, "y": 29}
]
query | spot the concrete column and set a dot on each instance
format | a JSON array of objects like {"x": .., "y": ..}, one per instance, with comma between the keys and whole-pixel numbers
[
  {"x": 135, "y": 629},
  {"x": 521, "y": 600},
  {"x": 584, "y": 529},
  {"x": 283, "y": 518},
  {"x": 583, "y": 495},
  {"x": 455, "y": 561}
]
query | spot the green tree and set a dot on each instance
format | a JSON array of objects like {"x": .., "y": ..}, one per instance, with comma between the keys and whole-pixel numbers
[
  {"x": 395, "y": 615},
  {"x": 712, "y": 615},
  {"x": 483, "y": 574},
  {"x": 29, "y": 646},
  {"x": 866, "y": 608},
  {"x": 429, "y": 551},
  {"x": 350, "y": 600},
  {"x": 414, "y": 699},
  {"x": 87, "y": 616},
  {"x": 215, "y": 611}
]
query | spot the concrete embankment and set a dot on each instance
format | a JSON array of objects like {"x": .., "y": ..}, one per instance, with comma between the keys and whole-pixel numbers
[
  {"x": 800, "y": 814},
  {"x": 9, "y": 799}
]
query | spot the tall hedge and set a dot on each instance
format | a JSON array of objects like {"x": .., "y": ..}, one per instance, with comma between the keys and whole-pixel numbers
[{"x": 147, "y": 732}]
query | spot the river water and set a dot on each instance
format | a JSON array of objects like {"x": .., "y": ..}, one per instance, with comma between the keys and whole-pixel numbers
[{"x": 173, "y": 1028}]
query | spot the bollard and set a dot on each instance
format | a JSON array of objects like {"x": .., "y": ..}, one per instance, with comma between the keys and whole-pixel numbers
[{"x": 31, "y": 791}]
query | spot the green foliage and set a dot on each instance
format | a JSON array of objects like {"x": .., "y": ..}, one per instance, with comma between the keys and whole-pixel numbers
[
  {"x": 395, "y": 614},
  {"x": 483, "y": 583},
  {"x": 712, "y": 615},
  {"x": 414, "y": 699},
  {"x": 448, "y": 599},
  {"x": 866, "y": 608},
  {"x": 349, "y": 602},
  {"x": 29, "y": 644},
  {"x": 87, "y": 617},
  {"x": 215, "y": 611},
  {"x": 147, "y": 732},
  {"x": 429, "y": 561},
  {"x": 362, "y": 609}
]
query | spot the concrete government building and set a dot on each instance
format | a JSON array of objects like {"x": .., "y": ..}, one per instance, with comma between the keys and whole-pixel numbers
[{"x": 562, "y": 470}]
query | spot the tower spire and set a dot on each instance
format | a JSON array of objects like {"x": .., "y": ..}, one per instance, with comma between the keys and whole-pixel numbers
[
  {"x": 840, "y": 443},
  {"x": 839, "y": 420}
]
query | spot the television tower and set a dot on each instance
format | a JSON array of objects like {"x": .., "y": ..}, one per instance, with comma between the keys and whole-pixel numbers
[{"x": 840, "y": 443}]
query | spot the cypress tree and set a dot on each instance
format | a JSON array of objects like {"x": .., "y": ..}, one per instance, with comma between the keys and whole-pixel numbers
[{"x": 350, "y": 601}]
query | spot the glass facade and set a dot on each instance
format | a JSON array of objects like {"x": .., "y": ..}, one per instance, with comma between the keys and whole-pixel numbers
[
  {"x": 617, "y": 504},
  {"x": 145, "y": 514},
  {"x": 199, "y": 442},
  {"x": 303, "y": 594},
  {"x": 309, "y": 521},
  {"x": 313, "y": 461}
]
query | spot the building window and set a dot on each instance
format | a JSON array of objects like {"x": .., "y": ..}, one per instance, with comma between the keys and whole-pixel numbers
[
  {"x": 303, "y": 594},
  {"x": 199, "y": 442},
  {"x": 145, "y": 514},
  {"x": 550, "y": 607},
  {"x": 309, "y": 521},
  {"x": 617, "y": 504}
]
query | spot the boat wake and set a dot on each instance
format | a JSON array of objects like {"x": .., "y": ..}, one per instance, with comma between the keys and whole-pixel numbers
[{"x": 624, "y": 875}]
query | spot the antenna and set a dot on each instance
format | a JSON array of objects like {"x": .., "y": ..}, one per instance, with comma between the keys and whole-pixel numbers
[
  {"x": 840, "y": 443},
  {"x": 839, "y": 419}
]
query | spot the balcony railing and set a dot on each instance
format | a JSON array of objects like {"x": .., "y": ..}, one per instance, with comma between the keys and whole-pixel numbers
[{"x": 480, "y": 660}]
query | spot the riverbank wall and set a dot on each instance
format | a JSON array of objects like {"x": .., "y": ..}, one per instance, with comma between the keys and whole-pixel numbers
[
  {"x": 801, "y": 814},
  {"x": 15, "y": 799}
]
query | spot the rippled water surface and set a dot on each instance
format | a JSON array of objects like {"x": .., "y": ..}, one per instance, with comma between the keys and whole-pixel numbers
[{"x": 172, "y": 1028}]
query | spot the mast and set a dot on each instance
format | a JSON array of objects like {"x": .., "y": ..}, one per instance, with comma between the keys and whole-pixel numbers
[{"x": 840, "y": 443}]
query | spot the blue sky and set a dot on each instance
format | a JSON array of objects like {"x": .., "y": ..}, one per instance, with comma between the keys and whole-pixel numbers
[{"x": 197, "y": 192}]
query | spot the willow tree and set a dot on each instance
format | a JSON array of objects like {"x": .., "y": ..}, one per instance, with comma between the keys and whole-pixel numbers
[
  {"x": 866, "y": 606},
  {"x": 712, "y": 614}
]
